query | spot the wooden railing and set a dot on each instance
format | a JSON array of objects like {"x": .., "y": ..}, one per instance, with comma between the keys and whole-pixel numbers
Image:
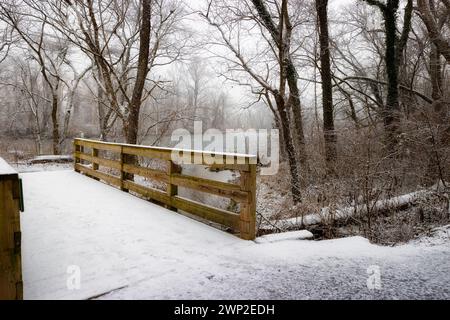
[
  {"x": 93, "y": 157},
  {"x": 11, "y": 287}
]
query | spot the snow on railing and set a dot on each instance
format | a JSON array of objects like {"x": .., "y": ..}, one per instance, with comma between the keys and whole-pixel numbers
[{"x": 101, "y": 154}]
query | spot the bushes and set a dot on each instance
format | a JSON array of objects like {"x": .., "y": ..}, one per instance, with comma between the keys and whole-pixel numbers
[{"x": 367, "y": 178}]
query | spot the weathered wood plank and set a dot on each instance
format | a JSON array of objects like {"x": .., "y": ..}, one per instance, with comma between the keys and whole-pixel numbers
[
  {"x": 107, "y": 146},
  {"x": 100, "y": 175},
  {"x": 99, "y": 161},
  {"x": 149, "y": 193},
  {"x": 213, "y": 160},
  {"x": 204, "y": 211},
  {"x": 223, "y": 189},
  {"x": 146, "y": 172},
  {"x": 247, "y": 217},
  {"x": 222, "y": 159},
  {"x": 220, "y": 216},
  {"x": 147, "y": 152},
  {"x": 236, "y": 167}
]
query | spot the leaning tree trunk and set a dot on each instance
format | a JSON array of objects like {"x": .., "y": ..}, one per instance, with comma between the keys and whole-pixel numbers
[
  {"x": 291, "y": 72},
  {"x": 327, "y": 89}
]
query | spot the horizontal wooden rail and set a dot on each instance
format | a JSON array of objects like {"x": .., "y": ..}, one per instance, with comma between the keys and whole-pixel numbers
[{"x": 243, "y": 193}]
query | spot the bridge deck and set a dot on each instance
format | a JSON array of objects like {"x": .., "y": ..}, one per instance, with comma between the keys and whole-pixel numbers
[
  {"x": 134, "y": 249},
  {"x": 115, "y": 238}
]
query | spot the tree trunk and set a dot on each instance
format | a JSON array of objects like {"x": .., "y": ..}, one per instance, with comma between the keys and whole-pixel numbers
[
  {"x": 38, "y": 137},
  {"x": 132, "y": 122},
  {"x": 55, "y": 122},
  {"x": 391, "y": 111},
  {"x": 102, "y": 120},
  {"x": 435, "y": 73},
  {"x": 327, "y": 88},
  {"x": 295, "y": 105},
  {"x": 393, "y": 55},
  {"x": 290, "y": 149},
  {"x": 436, "y": 35},
  {"x": 278, "y": 126},
  {"x": 288, "y": 66}
]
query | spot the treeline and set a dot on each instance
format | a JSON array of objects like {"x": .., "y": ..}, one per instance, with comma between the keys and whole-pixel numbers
[{"x": 356, "y": 90}]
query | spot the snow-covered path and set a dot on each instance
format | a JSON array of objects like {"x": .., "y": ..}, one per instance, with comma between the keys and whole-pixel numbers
[{"x": 146, "y": 252}]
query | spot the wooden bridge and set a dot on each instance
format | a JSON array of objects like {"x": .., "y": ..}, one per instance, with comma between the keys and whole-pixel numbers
[
  {"x": 107, "y": 162},
  {"x": 120, "y": 246}
]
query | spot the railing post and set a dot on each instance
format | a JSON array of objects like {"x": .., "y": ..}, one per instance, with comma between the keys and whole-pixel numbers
[
  {"x": 77, "y": 160},
  {"x": 95, "y": 165},
  {"x": 82, "y": 151},
  {"x": 94, "y": 155},
  {"x": 11, "y": 286},
  {"x": 122, "y": 173},
  {"x": 248, "y": 209},
  {"x": 172, "y": 190}
]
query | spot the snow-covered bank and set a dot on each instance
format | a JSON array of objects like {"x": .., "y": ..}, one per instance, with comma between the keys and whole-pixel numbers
[
  {"x": 23, "y": 167},
  {"x": 291, "y": 235},
  {"x": 127, "y": 248},
  {"x": 51, "y": 159}
]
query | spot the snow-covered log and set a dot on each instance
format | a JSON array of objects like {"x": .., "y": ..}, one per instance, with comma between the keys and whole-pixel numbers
[
  {"x": 51, "y": 159},
  {"x": 326, "y": 214}
]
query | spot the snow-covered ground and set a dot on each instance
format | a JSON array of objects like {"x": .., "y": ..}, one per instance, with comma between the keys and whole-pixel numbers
[
  {"x": 134, "y": 249},
  {"x": 24, "y": 167}
]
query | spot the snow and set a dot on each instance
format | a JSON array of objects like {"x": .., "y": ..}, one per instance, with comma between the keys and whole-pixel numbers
[
  {"x": 128, "y": 248},
  {"x": 22, "y": 167},
  {"x": 179, "y": 150},
  {"x": 6, "y": 169},
  {"x": 324, "y": 215},
  {"x": 292, "y": 235},
  {"x": 52, "y": 158},
  {"x": 437, "y": 236}
]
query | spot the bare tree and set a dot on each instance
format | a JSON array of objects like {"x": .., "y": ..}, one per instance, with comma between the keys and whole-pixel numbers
[
  {"x": 6, "y": 41},
  {"x": 434, "y": 22},
  {"x": 394, "y": 47},
  {"x": 109, "y": 33},
  {"x": 48, "y": 51},
  {"x": 281, "y": 36},
  {"x": 327, "y": 87},
  {"x": 24, "y": 79},
  {"x": 274, "y": 89},
  {"x": 132, "y": 125}
]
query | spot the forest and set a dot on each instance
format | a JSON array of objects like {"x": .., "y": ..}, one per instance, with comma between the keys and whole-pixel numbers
[{"x": 359, "y": 91}]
